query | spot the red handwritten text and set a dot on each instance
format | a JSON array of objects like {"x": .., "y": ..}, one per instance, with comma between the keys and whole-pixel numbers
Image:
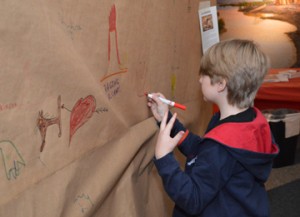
[{"x": 8, "y": 106}]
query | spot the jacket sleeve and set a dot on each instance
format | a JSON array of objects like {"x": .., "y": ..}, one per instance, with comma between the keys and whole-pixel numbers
[
  {"x": 194, "y": 189},
  {"x": 189, "y": 143}
]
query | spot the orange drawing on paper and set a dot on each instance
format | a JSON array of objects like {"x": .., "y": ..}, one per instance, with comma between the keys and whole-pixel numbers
[
  {"x": 43, "y": 123},
  {"x": 115, "y": 61},
  {"x": 141, "y": 72}
]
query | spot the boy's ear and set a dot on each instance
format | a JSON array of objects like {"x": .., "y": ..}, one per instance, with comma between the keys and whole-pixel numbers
[{"x": 221, "y": 85}]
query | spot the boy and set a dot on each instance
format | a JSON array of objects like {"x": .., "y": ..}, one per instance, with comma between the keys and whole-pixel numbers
[{"x": 226, "y": 169}]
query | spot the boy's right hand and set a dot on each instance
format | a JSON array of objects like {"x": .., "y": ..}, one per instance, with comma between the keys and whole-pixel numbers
[{"x": 158, "y": 108}]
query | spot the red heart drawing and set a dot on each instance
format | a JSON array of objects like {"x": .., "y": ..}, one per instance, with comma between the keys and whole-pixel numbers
[{"x": 82, "y": 111}]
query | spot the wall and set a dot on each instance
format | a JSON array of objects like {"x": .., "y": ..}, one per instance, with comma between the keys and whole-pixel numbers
[{"x": 76, "y": 135}]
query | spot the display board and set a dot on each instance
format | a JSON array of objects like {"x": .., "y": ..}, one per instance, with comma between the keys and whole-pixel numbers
[{"x": 77, "y": 137}]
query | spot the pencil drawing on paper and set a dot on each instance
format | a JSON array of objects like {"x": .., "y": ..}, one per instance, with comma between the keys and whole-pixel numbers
[
  {"x": 113, "y": 47},
  {"x": 11, "y": 159},
  {"x": 43, "y": 123},
  {"x": 69, "y": 27},
  {"x": 84, "y": 202}
]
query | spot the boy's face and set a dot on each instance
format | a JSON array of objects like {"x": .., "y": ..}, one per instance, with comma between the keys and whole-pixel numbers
[{"x": 209, "y": 90}]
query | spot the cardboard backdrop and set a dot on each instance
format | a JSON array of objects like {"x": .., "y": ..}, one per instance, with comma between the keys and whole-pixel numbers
[{"x": 76, "y": 135}]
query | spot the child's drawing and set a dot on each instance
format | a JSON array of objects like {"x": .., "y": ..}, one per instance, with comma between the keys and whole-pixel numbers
[
  {"x": 111, "y": 43},
  {"x": 141, "y": 72},
  {"x": 11, "y": 158},
  {"x": 69, "y": 26},
  {"x": 43, "y": 123},
  {"x": 84, "y": 202},
  {"x": 82, "y": 111}
]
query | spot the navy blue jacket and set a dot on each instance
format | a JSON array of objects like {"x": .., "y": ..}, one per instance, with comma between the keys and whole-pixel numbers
[{"x": 225, "y": 170}]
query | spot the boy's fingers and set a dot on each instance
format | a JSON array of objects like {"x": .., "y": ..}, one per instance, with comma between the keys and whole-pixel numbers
[
  {"x": 171, "y": 122},
  {"x": 156, "y": 99},
  {"x": 160, "y": 95},
  {"x": 164, "y": 121}
]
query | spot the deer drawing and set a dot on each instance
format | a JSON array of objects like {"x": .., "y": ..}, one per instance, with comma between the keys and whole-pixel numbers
[{"x": 43, "y": 123}]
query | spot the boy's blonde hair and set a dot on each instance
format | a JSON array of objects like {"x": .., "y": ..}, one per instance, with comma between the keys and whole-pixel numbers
[{"x": 243, "y": 66}]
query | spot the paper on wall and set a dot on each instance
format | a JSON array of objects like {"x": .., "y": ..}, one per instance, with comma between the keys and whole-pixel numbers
[{"x": 208, "y": 27}]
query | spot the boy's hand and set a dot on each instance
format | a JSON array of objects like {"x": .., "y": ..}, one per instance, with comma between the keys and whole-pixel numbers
[
  {"x": 165, "y": 144},
  {"x": 158, "y": 108}
]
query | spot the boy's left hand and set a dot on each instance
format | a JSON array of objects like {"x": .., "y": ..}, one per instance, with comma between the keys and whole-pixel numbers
[{"x": 166, "y": 144}]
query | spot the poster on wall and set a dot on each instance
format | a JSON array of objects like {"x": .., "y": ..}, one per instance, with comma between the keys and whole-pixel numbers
[
  {"x": 208, "y": 27},
  {"x": 274, "y": 25}
]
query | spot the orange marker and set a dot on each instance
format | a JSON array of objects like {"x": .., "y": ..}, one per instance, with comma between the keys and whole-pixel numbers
[{"x": 168, "y": 102}]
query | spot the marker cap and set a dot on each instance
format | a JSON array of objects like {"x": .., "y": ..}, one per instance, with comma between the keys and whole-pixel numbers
[{"x": 183, "y": 107}]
